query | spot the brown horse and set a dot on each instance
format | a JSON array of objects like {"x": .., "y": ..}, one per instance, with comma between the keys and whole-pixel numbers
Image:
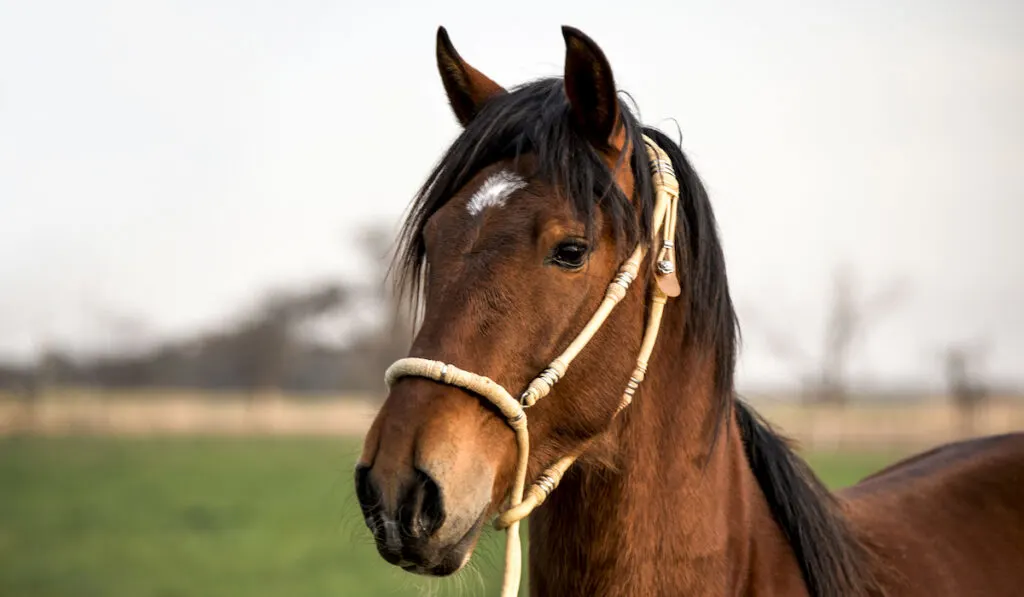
[{"x": 510, "y": 246}]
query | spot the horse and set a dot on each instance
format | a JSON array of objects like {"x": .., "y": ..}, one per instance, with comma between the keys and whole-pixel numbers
[{"x": 675, "y": 486}]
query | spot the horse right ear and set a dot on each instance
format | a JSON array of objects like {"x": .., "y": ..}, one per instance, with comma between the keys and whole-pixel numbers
[
  {"x": 468, "y": 89},
  {"x": 590, "y": 88}
]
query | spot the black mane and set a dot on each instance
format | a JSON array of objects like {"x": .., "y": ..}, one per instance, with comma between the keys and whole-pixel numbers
[
  {"x": 832, "y": 559},
  {"x": 533, "y": 119}
]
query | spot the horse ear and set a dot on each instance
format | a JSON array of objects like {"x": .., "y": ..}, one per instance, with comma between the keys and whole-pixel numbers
[
  {"x": 590, "y": 87},
  {"x": 468, "y": 89}
]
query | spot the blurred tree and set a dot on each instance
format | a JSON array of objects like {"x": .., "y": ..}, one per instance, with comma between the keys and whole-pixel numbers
[
  {"x": 291, "y": 339},
  {"x": 265, "y": 341},
  {"x": 376, "y": 346},
  {"x": 968, "y": 393},
  {"x": 849, "y": 318}
]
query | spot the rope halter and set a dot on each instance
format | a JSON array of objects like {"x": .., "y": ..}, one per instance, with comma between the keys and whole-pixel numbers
[{"x": 521, "y": 501}]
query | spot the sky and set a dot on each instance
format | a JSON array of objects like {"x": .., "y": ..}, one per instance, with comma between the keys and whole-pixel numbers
[{"x": 165, "y": 162}]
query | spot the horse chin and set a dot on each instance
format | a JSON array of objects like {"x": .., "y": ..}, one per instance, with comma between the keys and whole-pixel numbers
[{"x": 452, "y": 562}]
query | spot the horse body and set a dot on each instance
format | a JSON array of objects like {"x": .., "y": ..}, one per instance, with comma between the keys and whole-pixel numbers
[
  {"x": 949, "y": 521},
  {"x": 513, "y": 240}
]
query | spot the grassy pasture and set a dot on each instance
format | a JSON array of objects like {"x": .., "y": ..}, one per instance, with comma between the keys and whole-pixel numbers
[{"x": 213, "y": 516}]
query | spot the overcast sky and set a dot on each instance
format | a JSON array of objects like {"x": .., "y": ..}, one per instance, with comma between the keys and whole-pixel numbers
[{"x": 169, "y": 160}]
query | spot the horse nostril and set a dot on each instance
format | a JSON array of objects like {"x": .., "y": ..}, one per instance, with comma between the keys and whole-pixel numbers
[
  {"x": 419, "y": 514},
  {"x": 367, "y": 492},
  {"x": 425, "y": 507}
]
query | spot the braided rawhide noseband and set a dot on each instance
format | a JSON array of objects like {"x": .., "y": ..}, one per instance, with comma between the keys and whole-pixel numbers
[{"x": 666, "y": 285}]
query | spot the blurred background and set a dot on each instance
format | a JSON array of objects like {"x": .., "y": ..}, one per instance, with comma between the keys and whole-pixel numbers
[{"x": 198, "y": 200}]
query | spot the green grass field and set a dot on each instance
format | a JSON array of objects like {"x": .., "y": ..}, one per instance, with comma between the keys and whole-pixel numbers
[{"x": 208, "y": 517}]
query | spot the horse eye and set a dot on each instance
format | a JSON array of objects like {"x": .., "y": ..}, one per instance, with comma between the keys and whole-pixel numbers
[{"x": 569, "y": 254}]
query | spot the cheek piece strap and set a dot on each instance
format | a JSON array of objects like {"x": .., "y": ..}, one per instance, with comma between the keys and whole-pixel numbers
[{"x": 666, "y": 284}]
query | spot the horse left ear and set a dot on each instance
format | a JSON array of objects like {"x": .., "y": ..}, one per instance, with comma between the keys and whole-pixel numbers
[
  {"x": 468, "y": 89},
  {"x": 590, "y": 87}
]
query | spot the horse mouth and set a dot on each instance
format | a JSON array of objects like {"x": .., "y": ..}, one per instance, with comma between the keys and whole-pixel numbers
[{"x": 453, "y": 557}]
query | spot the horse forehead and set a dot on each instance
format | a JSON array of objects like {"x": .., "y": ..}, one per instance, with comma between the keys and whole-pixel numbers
[
  {"x": 495, "y": 191},
  {"x": 500, "y": 210}
]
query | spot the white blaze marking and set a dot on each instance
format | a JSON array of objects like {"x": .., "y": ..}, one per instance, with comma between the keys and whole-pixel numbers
[{"x": 495, "y": 191}]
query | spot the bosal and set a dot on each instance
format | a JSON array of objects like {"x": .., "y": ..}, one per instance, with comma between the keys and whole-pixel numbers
[{"x": 666, "y": 284}]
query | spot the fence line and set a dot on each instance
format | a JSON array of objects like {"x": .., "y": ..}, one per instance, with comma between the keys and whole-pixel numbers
[{"x": 853, "y": 426}]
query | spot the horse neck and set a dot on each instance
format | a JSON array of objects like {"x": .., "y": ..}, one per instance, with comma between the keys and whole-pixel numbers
[{"x": 671, "y": 518}]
